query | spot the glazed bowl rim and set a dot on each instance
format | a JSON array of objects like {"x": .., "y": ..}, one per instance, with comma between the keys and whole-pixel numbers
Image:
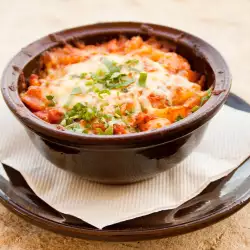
[{"x": 11, "y": 74}]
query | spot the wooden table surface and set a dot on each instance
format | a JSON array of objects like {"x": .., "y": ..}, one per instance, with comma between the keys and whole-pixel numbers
[{"x": 223, "y": 23}]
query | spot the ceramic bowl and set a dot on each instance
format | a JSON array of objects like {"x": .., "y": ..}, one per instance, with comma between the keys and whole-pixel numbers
[{"x": 118, "y": 159}]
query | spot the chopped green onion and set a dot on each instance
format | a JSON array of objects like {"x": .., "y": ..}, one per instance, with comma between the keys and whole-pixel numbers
[
  {"x": 99, "y": 131},
  {"x": 116, "y": 75},
  {"x": 178, "y": 118},
  {"x": 132, "y": 62},
  {"x": 123, "y": 82},
  {"x": 75, "y": 127},
  {"x": 107, "y": 116},
  {"x": 51, "y": 101},
  {"x": 89, "y": 83},
  {"x": 78, "y": 107},
  {"x": 104, "y": 91},
  {"x": 87, "y": 125},
  {"x": 73, "y": 76},
  {"x": 49, "y": 97},
  {"x": 103, "y": 105},
  {"x": 109, "y": 130},
  {"x": 96, "y": 90},
  {"x": 195, "y": 108},
  {"x": 143, "y": 79},
  {"x": 67, "y": 104},
  {"x": 129, "y": 113},
  {"x": 124, "y": 90},
  {"x": 111, "y": 65},
  {"x": 82, "y": 75},
  {"x": 103, "y": 120},
  {"x": 76, "y": 91},
  {"x": 206, "y": 97},
  {"x": 118, "y": 110},
  {"x": 100, "y": 74}
]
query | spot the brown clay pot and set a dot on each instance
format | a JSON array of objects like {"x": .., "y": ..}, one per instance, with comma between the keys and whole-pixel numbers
[{"x": 119, "y": 159}]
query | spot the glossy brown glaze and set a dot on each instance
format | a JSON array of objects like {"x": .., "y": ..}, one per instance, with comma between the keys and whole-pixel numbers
[
  {"x": 219, "y": 200},
  {"x": 121, "y": 158}
]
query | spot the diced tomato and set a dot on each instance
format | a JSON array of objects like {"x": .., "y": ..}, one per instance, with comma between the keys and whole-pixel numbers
[
  {"x": 153, "y": 42},
  {"x": 96, "y": 126},
  {"x": 175, "y": 63},
  {"x": 119, "y": 129},
  {"x": 156, "y": 123},
  {"x": 180, "y": 95},
  {"x": 134, "y": 43},
  {"x": 201, "y": 81},
  {"x": 83, "y": 123},
  {"x": 121, "y": 42},
  {"x": 33, "y": 80},
  {"x": 191, "y": 75},
  {"x": 176, "y": 111},
  {"x": 33, "y": 98},
  {"x": 158, "y": 101},
  {"x": 55, "y": 115},
  {"x": 42, "y": 115},
  {"x": 141, "y": 119},
  {"x": 193, "y": 101},
  {"x": 148, "y": 67},
  {"x": 112, "y": 45},
  {"x": 52, "y": 115},
  {"x": 126, "y": 106}
]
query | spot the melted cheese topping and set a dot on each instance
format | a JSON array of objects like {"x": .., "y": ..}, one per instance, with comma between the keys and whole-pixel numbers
[
  {"x": 157, "y": 82},
  {"x": 137, "y": 88}
]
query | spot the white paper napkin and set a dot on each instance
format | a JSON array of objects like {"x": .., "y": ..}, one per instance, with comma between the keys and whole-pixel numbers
[{"x": 225, "y": 145}]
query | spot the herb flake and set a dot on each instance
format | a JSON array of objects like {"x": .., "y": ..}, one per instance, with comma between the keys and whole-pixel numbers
[
  {"x": 76, "y": 91},
  {"x": 178, "y": 118},
  {"x": 49, "y": 97},
  {"x": 142, "y": 79},
  {"x": 206, "y": 97},
  {"x": 195, "y": 108},
  {"x": 110, "y": 65}
]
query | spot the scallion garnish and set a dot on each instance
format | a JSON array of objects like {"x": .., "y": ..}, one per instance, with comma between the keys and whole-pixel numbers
[
  {"x": 108, "y": 131},
  {"x": 178, "y": 118},
  {"x": 142, "y": 79},
  {"x": 104, "y": 91},
  {"x": 206, "y": 97},
  {"x": 76, "y": 91},
  {"x": 124, "y": 90},
  {"x": 79, "y": 112},
  {"x": 82, "y": 75},
  {"x": 49, "y": 97},
  {"x": 132, "y": 62},
  {"x": 195, "y": 108},
  {"x": 89, "y": 83},
  {"x": 111, "y": 65}
]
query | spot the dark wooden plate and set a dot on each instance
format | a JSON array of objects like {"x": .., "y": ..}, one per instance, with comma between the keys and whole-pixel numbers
[{"x": 219, "y": 200}]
